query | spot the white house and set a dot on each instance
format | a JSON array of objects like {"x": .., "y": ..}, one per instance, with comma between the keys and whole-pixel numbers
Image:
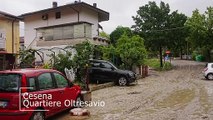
[{"x": 60, "y": 26}]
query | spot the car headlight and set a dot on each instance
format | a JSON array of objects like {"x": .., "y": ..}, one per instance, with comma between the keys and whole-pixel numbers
[{"x": 131, "y": 74}]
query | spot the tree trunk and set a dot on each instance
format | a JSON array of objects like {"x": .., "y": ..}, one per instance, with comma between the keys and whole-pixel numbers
[
  {"x": 181, "y": 52},
  {"x": 161, "y": 57}
]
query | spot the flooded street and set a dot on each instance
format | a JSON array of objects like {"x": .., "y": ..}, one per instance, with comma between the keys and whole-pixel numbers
[{"x": 178, "y": 94}]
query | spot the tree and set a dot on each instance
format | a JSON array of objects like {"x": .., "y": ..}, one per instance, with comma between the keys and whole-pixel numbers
[
  {"x": 27, "y": 57},
  {"x": 201, "y": 30},
  {"x": 63, "y": 61},
  {"x": 131, "y": 50},
  {"x": 105, "y": 35},
  {"x": 178, "y": 33},
  {"x": 84, "y": 52},
  {"x": 108, "y": 52},
  {"x": 151, "y": 23},
  {"x": 118, "y": 32}
]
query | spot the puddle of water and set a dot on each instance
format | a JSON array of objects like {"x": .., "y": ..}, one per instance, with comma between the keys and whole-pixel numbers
[{"x": 179, "y": 97}]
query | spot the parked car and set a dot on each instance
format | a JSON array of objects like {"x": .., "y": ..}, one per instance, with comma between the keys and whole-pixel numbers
[
  {"x": 43, "y": 85},
  {"x": 104, "y": 71},
  {"x": 208, "y": 71}
]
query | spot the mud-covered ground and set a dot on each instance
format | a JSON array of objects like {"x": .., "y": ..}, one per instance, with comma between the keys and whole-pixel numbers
[{"x": 178, "y": 94}]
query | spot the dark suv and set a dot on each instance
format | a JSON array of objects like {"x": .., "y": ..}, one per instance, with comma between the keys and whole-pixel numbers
[{"x": 103, "y": 71}]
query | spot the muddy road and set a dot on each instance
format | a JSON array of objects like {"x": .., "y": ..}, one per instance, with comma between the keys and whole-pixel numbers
[{"x": 178, "y": 94}]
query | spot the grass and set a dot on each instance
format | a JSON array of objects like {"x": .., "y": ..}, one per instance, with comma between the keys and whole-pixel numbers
[{"x": 155, "y": 64}]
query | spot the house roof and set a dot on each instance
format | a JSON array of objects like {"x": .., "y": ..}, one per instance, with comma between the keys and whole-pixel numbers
[
  {"x": 10, "y": 16},
  {"x": 103, "y": 15}
]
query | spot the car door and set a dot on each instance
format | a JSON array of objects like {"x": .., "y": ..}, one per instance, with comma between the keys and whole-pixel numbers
[
  {"x": 67, "y": 93},
  {"x": 95, "y": 71},
  {"x": 107, "y": 73},
  {"x": 47, "y": 87}
]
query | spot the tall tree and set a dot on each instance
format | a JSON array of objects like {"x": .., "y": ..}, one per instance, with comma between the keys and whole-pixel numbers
[
  {"x": 201, "y": 30},
  {"x": 151, "y": 23},
  {"x": 118, "y": 32},
  {"x": 177, "y": 32}
]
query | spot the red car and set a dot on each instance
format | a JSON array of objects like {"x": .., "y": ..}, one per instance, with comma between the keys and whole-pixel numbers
[{"x": 35, "y": 94}]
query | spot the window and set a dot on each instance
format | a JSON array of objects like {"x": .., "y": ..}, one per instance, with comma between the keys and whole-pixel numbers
[
  {"x": 32, "y": 84},
  {"x": 57, "y": 15},
  {"x": 48, "y": 34},
  {"x": 58, "y": 33},
  {"x": 66, "y": 32},
  {"x": 10, "y": 82},
  {"x": 45, "y": 81},
  {"x": 88, "y": 31},
  {"x": 95, "y": 64},
  {"x": 79, "y": 31},
  {"x": 60, "y": 80},
  {"x": 2, "y": 39},
  {"x": 106, "y": 65}
]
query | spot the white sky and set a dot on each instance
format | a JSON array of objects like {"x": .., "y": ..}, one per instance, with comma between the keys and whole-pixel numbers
[{"x": 121, "y": 11}]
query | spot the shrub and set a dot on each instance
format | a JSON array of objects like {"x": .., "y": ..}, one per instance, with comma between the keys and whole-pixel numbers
[{"x": 155, "y": 64}]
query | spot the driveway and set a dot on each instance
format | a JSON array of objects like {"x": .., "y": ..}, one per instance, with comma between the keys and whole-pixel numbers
[{"x": 179, "y": 94}]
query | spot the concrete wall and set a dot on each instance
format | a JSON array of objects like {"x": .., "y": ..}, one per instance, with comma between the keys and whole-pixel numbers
[{"x": 91, "y": 17}]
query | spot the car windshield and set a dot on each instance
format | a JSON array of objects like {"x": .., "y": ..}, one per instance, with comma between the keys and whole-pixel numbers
[
  {"x": 113, "y": 66},
  {"x": 9, "y": 82},
  {"x": 206, "y": 65}
]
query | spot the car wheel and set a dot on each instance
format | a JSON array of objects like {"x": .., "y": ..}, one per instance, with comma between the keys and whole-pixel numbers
[
  {"x": 210, "y": 76},
  {"x": 78, "y": 101},
  {"x": 122, "y": 81},
  {"x": 37, "y": 116}
]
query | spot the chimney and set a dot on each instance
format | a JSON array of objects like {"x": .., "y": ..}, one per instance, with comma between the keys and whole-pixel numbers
[
  {"x": 95, "y": 4},
  {"x": 55, "y": 4}
]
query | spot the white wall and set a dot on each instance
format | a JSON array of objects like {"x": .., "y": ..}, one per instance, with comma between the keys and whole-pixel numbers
[
  {"x": 67, "y": 16},
  {"x": 91, "y": 17},
  {"x": 46, "y": 54}
]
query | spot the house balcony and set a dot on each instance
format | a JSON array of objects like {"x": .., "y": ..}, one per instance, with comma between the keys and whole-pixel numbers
[{"x": 67, "y": 34}]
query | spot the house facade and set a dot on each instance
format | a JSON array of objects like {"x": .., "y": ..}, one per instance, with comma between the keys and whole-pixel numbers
[
  {"x": 65, "y": 25},
  {"x": 9, "y": 39}
]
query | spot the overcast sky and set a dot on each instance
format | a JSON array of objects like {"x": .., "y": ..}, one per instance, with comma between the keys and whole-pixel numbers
[{"x": 121, "y": 11}]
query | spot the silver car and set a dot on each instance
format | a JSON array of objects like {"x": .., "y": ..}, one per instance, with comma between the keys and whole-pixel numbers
[{"x": 208, "y": 71}]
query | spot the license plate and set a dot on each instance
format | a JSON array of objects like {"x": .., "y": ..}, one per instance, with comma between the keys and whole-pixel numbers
[{"x": 3, "y": 104}]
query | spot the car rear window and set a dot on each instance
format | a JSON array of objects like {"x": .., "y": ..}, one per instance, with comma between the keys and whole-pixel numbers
[{"x": 10, "y": 82}]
